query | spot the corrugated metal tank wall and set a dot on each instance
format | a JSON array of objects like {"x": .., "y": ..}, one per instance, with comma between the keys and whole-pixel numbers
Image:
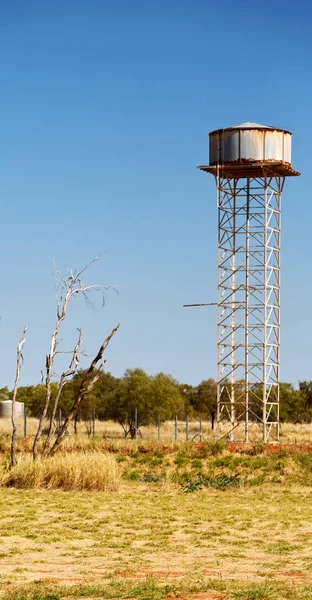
[
  {"x": 239, "y": 143},
  {"x": 6, "y": 409}
]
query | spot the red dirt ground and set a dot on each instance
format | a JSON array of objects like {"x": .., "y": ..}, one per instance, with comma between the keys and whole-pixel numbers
[{"x": 242, "y": 448}]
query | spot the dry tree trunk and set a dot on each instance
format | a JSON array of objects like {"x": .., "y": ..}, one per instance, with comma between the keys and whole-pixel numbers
[
  {"x": 70, "y": 285},
  {"x": 69, "y": 372},
  {"x": 19, "y": 359},
  {"x": 49, "y": 372},
  {"x": 85, "y": 387},
  {"x": 61, "y": 313}
]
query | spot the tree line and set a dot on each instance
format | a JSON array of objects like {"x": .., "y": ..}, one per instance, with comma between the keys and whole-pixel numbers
[
  {"x": 132, "y": 400},
  {"x": 155, "y": 397}
]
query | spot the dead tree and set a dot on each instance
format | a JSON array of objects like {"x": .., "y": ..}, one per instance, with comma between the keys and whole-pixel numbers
[
  {"x": 90, "y": 378},
  {"x": 69, "y": 285},
  {"x": 69, "y": 372},
  {"x": 19, "y": 360}
]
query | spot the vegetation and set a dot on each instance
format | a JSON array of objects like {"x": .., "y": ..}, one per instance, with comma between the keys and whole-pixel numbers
[
  {"x": 155, "y": 397},
  {"x": 95, "y": 471},
  {"x": 151, "y": 588},
  {"x": 153, "y": 520},
  {"x": 243, "y": 534},
  {"x": 151, "y": 541},
  {"x": 96, "y": 464}
]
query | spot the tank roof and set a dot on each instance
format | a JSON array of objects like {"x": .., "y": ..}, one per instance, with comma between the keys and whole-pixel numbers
[{"x": 249, "y": 125}]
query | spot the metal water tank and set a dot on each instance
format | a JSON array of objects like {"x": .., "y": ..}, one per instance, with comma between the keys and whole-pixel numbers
[
  {"x": 249, "y": 142},
  {"x": 6, "y": 409}
]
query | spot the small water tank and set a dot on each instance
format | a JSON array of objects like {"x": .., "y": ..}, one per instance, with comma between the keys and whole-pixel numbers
[
  {"x": 249, "y": 142},
  {"x": 6, "y": 409}
]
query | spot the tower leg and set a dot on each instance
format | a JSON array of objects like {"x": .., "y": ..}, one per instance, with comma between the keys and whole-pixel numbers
[{"x": 249, "y": 307}]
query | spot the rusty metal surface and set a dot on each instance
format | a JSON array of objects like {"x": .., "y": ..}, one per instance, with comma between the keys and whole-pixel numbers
[
  {"x": 247, "y": 168},
  {"x": 252, "y": 145},
  {"x": 287, "y": 147},
  {"x": 256, "y": 143}
]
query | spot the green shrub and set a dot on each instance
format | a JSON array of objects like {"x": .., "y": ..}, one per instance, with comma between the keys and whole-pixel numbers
[
  {"x": 150, "y": 477},
  {"x": 221, "y": 481}
]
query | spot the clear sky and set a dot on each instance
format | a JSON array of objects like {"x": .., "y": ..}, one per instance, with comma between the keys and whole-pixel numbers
[{"x": 105, "y": 110}]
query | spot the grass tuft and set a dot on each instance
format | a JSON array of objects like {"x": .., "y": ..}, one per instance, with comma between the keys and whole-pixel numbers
[{"x": 93, "y": 471}]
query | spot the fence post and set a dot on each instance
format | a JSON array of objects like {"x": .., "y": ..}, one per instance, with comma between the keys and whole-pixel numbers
[
  {"x": 135, "y": 422},
  {"x": 200, "y": 428},
  {"x": 126, "y": 424},
  {"x": 186, "y": 428},
  {"x": 93, "y": 422},
  {"x": 25, "y": 421},
  {"x": 158, "y": 434},
  {"x": 176, "y": 428}
]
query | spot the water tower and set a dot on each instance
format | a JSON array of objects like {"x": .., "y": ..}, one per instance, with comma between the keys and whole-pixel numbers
[{"x": 250, "y": 163}]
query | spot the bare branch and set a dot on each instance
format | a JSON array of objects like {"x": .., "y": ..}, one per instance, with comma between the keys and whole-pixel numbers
[
  {"x": 80, "y": 273},
  {"x": 90, "y": 378},
  {"x": 69, "y": 372},
  {"x": 19, "y": 360},
  {"x": 70, "y": 285}
]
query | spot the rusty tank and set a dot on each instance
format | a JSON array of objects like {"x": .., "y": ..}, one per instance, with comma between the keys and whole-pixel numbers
[{"x": 249, "y": 142}]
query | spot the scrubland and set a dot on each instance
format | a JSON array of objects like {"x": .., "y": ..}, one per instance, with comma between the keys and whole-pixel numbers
[
  {"x": 289, "y": 432},
  {"x": 148, "y": 519}
]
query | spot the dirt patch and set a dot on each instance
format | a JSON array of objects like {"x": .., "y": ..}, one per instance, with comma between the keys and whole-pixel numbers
[
  {"x": 290, "y": 575},
  {"x": 162, "y": 573},
  {"x": 208, "y": 596},
  {"x": 129, "y": 575},
  {"x": 176, "y": 598},
  {"x": 54, "y": 578},
  {"x": 201, "y": 596}
]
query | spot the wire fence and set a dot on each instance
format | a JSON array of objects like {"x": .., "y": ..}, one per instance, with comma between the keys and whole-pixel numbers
[
  {"x": 175, "y": 430},
  {"x": 179, "y": 430}
]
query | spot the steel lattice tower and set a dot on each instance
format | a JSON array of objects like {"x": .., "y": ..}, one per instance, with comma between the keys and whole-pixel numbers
[{"x": 250, "y": 163}]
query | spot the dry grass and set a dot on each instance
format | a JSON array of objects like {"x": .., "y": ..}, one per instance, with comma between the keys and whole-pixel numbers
[
  {"x": 146, "y": 539},
  {"x": 289, "y": 432},
  {"x": 111, "y": 430},
  {"x": 93, "y": 471},
  {"x": 99, "y": 464},
  {"x": 186, "y": 588},
  {"x": 248, "y": 544}
]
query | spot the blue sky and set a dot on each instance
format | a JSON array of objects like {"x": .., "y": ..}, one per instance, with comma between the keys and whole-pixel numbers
[{"x": 105, "y": 110}]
